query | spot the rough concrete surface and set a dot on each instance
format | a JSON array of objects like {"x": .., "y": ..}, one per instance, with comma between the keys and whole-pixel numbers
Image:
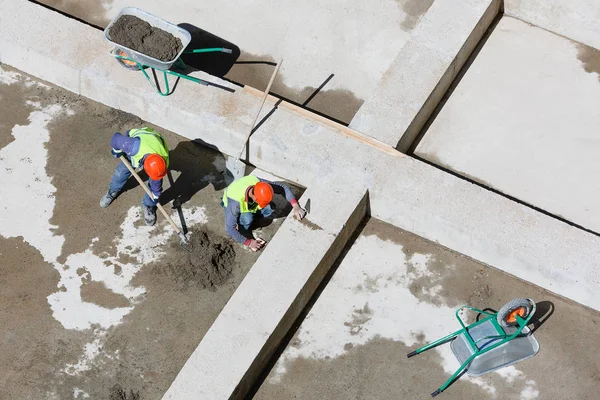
[
  {"x": 415, "y": 82},
  {"x": 575, "y": 19},
  {"x": 394, "y": 292},
  {"x": 523, "y": 120},
  {"x": 92, "y": 300},
  {"x": 235, "y": 350},
  {"x": 353, "y": 40}
]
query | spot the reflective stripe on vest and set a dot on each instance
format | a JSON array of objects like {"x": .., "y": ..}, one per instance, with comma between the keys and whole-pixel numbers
[
  {"x": 151, "y": 142},
  {"x": 237, "y": 191}
]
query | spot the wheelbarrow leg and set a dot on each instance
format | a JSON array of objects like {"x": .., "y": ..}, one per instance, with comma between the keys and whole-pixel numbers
[
  {"x": 431, "y": 345},
  {"x": 461, "y": 370}
]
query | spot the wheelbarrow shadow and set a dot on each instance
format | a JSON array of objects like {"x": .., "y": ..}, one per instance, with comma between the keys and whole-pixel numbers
[{"x": 216, "y": 63}]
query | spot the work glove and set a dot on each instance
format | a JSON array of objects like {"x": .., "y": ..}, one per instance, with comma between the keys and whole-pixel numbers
[
  {"x": 256, "y": 245},
  {"x": 116, "y": 153},
  {"x": 299, "y": 212}
]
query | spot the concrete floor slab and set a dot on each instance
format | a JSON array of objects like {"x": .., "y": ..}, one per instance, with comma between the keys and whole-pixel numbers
[
  {"x": 350, "y": 39},
  {"x": 394, "y": 292},
  {"x": 523, "y": 121},
  {"x": 235, "y": 350},
  {"x": 94, "y": 302},
  {"x": 575, "y": 19},
  {"x": 415, "y": 82}
]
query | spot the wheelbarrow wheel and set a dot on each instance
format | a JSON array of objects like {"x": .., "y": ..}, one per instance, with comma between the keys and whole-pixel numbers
[
  {"x": 507, "y": 316},
  {"x": 130, "y": 65}
]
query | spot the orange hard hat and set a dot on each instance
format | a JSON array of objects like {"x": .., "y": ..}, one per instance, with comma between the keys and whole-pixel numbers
[
  {"x": 155, "y": 167},
  {"x": 263, "y": 193}
]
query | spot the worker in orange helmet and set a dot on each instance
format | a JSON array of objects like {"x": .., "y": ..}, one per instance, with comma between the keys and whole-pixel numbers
[
  {"x": 142, "y": 147},
  {"x": 247, "y": 196}
]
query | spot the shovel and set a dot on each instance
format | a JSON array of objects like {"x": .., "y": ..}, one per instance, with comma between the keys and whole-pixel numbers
[{"x": 184, "y": 241}]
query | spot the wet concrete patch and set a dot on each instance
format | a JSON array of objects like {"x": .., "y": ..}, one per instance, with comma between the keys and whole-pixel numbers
[
  {"x": 311, "y": 225},
  {"x": 443, "y": 267},
  {"x": 414, "y": 10},
  {"x": 377, "y": 370},
  {"x": 255, "y": 71},
  {"x": 93, "y": 12},
  {"x": 590, "y": 58},
  {"x": 15, "y": 97},
  {"x": 356, "y": 333},
  {"x": 98, "y": 293},
  {"x": 33, "y": 345},
  {"x": 79, "y": 154},
  {"x": 143, "y": 350}
]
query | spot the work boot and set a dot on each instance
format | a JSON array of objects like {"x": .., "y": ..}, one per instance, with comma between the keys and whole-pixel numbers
[
  {"x": 107, "y": 199},
  {"x": 149, "y": 215}
]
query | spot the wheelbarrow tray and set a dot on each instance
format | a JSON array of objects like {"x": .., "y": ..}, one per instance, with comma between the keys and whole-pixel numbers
[
  {"x": 511, "y": 352},
  {"x": 156, "y": 22}
]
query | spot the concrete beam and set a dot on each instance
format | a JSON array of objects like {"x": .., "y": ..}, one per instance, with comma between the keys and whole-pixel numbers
[
  {"x": 262, "y": 310},
  {"x": 405, "y": 192},
  {"x": 424, "y": 70},
  {"x": 575, "y": 19}
]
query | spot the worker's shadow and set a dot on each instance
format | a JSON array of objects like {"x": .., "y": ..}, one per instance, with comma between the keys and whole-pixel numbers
[
  {"x": 192, "y": 168},
  {"x": 196, "y": 171},
  {"x": 281, "y": 207}
]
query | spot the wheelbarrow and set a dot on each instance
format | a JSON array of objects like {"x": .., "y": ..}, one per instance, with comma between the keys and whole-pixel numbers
[
  {"x": 493, "y": 342},
  {"x": 134, "y": 60}
]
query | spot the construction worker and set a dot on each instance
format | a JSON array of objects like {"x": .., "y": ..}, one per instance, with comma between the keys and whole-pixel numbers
[
  {"x": 247, "y": 196},
  {"x": 142, "y": 147}
]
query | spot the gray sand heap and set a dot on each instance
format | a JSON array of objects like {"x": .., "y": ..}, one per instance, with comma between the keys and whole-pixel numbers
[{"x": 136, "y": 34}]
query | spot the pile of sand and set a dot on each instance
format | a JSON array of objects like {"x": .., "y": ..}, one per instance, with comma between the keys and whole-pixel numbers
[{"x": 136, "y": 34}]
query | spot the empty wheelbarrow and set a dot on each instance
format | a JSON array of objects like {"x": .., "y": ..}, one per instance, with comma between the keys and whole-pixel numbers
[{"x": 496, "y": 341}]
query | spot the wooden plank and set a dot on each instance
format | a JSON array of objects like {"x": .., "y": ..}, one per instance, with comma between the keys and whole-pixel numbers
[{"x": 344, "y": 130}]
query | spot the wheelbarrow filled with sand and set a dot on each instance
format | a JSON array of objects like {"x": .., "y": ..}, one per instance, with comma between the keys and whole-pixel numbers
[{"x": 143, "y": 41}]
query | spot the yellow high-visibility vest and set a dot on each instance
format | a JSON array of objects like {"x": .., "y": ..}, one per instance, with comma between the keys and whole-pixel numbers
[
  {"x": 151, "y": 142},
  {"x": 237, "y": 191}
]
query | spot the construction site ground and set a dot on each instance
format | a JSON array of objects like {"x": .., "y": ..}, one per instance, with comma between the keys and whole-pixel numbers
[
  {"x": 92, "y": 300},
  {"x": 497, "y": 201},
  {"x": 354, "y": 41},
  {"x": 394, "y": 292},
  {"x": 523, "y": 120}
]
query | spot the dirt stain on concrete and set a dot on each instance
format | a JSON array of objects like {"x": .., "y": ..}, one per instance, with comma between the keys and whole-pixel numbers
[
  {"x": 147, "y": 350},
  {"x": 360, "y": 317},
  {"x": 377, "y": 370},
  {"x": 98, "y": 293},
  {"x": 444, "y": 267},
  {"x": 371, "y": 371},
  {"x": 14, "y": 103},
  {"x": 255, "y": 71},
  {"x": 87, "y": 131},
  {"x": 33, "y": 344},
  {"x": 414, "y": 10},
  {"x": 311, "y": 225},
  {"x": 93, "y": 12},
  {"x": 590, "y": 58}
]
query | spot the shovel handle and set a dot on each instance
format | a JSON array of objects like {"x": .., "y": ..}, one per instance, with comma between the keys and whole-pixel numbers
[
  {"x": 149, "y": 193},
  {"x": 262, "y": 103}
]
